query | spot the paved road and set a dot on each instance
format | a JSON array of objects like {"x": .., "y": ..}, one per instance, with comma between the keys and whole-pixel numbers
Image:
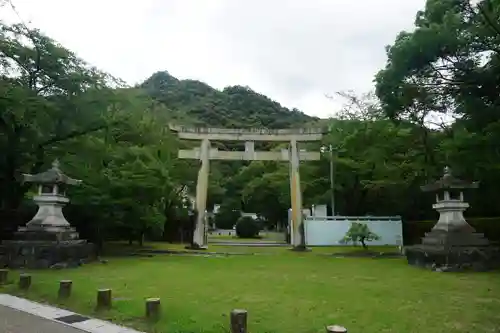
[
  {"x": 250, "y": 244},
  {"x": 15, "y": 321}
]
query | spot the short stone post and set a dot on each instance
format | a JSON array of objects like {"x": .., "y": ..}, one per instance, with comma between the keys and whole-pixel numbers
[
  {"x": 336, "y": 329},
  {"x": 65, "y": 289},
  {"x": 4, "y": 274},
  {"x": 104, "y": 299},
  {"x": 153, "y": 308},
  {"x": 239, "y": 321},
  {"x": 24, "y": 281}
]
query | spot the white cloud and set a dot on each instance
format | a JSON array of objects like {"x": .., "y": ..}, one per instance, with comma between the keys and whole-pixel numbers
[{"x": 294, "y": 51}]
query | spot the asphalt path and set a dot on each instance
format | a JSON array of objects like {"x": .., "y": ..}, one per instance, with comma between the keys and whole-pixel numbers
[{"x": 15, "y": 321}]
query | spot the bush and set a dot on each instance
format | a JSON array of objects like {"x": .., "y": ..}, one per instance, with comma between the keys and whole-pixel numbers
[
  {"x": 359, "y": 232},
  {"x": 247, "y": 227},
  {"x": 226, "y": 218}
]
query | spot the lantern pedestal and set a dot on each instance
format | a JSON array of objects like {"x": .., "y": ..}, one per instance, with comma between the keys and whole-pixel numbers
[
  {"x": 453, "y": 251},
  {"x": 35, "y": 254}
]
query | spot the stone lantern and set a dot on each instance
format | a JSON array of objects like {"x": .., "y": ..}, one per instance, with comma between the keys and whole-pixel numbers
[
  {"x": 49, "y": 221},
  {"x": 452, "y": 244},
  {"x": 48, "y": 240},
  {"x": 450, "y": 203}
]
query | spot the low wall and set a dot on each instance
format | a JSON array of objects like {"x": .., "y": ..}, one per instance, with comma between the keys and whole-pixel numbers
[
  {"x": 222, "y": 232},
  {"x": 328, "y": 230}
]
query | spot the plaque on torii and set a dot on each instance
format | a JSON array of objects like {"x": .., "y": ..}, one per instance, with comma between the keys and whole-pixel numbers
[{"x": 205, "y": 153}]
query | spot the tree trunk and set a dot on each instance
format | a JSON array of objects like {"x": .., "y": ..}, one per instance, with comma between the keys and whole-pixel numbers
[
  {"x": 168, "y": 225},
  {"x": 352, "y": 199},
  {"x": 141, "y": 237},
  {"x": 99, "y": 240},
  {"x": 362, "y": 240}
]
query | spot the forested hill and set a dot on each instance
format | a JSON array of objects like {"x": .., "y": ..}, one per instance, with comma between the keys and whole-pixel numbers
[{"x": 199, "y": 104}]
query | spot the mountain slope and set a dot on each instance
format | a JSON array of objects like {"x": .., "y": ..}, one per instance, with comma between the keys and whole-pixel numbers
[{"x": 235, "y": 106}]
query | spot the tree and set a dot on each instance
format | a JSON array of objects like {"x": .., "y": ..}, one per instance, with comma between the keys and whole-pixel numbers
[
  {"x": 266, "y": 191},
  {"x": 227, "y": 216},
  {"x": 359, "y": 232},
  {"x": 128, "y": 176},
  {"x": 47, "y": 96},
  {"x": 445, "y": 76},
  {"x": 447, "y": 64}
]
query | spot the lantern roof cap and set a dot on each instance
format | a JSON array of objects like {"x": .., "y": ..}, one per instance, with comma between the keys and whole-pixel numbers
[
  {"x": 54, "y": 175},
  {"x": 448, "y": 181}
]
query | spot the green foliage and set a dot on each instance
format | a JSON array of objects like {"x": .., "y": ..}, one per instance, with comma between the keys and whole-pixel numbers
[
  {"x": 47, "y": 96},
  {"x": 233, "y": 107},
  {"x": 266, "y": 191},
  {"x": 227, "y": 217},
  {"x": 114, "y": 138},
  {"x": 449, "y": 63},
  {"x": 247, "y": 227},
  {"x": 359, "y": 232},
  {"x": 448, "y": 68},
  {"x": 54, "y": 105}
]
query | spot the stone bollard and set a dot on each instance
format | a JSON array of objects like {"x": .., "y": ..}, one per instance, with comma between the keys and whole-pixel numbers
[
  {"x": 239, "y": 321},
  {"x": 104, "y": 299},
  {"x": 4, "y": 274},
  {"x": 24, "y": 281},
  {"x": 336, "y": 329},
  {"x": 153, "y": 308},
  {"x": 65, "y": 288}
]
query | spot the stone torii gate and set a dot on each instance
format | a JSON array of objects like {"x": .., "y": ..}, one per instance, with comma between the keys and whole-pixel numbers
[{"x": 205, "y": 153}]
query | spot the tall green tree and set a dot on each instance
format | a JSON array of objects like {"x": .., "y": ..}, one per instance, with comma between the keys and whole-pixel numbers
[
  {"x": 446, "y": 75},
  {"x": 114, "y": 138},
  {"x": 47, "y": 96}
]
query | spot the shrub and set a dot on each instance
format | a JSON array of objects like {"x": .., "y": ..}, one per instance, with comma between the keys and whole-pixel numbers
[
  {"x": 359, "y": 232},
  {"x": 247, "y": 227},
  {"x": 226, "y": 218}
]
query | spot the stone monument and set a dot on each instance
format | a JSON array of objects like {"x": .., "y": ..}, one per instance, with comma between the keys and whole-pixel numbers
[
  {"x": 48, "y": 239},
  {"x": 452, "y": 244}
]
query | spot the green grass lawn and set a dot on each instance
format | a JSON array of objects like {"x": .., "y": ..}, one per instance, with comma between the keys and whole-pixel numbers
[
  {"x": 285, "y": 292},
  {"x": 123, "y": 247}
]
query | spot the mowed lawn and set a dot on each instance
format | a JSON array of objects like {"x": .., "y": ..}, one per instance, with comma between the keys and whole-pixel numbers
[{"x": 283, "y": 291}]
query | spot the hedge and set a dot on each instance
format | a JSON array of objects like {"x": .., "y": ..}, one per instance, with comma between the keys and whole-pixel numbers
[
  {"x": 247, "y": 227},
  {"x": 413, "y": 231}
]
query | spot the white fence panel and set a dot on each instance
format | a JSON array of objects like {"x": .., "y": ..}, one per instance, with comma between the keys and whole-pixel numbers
[{"x": 327, "y": 231}]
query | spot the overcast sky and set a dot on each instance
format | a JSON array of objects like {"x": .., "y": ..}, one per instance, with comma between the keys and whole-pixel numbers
[{"x": 294, "y": 51}]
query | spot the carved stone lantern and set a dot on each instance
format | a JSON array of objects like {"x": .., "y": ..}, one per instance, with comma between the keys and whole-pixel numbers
[
  {"x": 452, "y": 244},
  {"x": 450, "y": 202},
  {"x": 51, "y": 199},
  {"x": 48, "y": 240}
]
